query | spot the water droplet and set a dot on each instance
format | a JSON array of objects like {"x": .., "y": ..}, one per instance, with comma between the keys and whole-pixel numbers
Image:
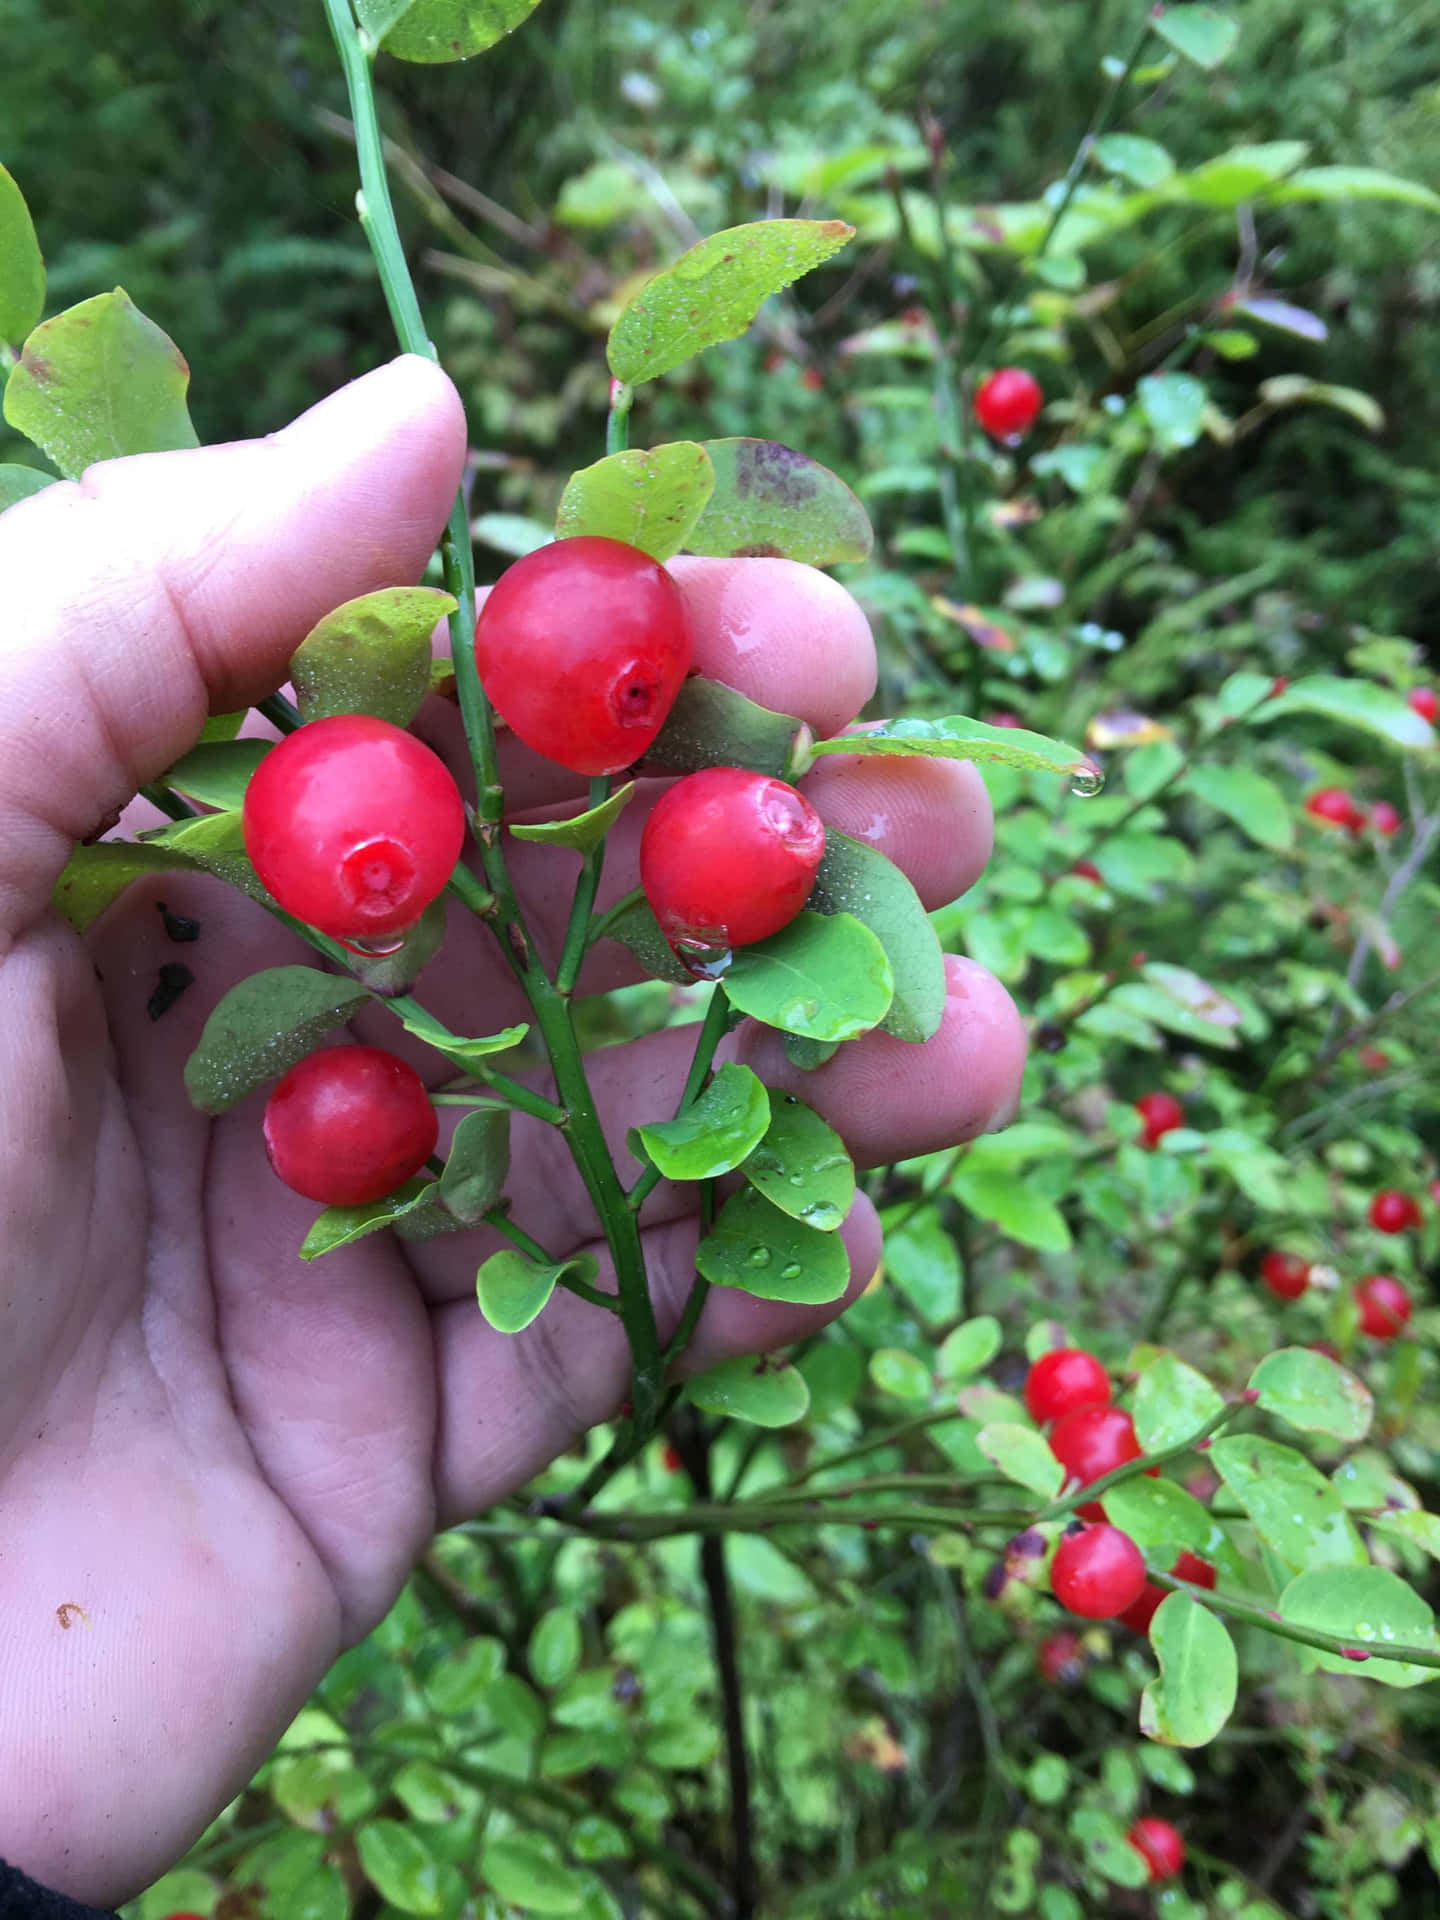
[
  {"x": 759, "y": 1256},
  {"x": 704, "y": 961},
  {"x": 1087, "y": 780},
  {"x": 791, "y": 1271},
  {"x": 378, "y": 949},
  {"x": 822, "y": 1214},
  {"x": 763, "y": 1161},
  {"x": 797, "y": 1179}
]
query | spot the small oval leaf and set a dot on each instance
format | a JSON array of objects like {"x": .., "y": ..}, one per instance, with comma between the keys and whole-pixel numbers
[
  {"x": 1172, "y": 1401},
  {"x": 262, "y": 1027},
  {"x": 1355, "y": 703},
  {"x": 960, "y": 738},
  {"x": 581, "y": 832},
  {"x": 417, "y": 1201},
  {"x": 770, "y": 500},
  {"x": 801, "y": 1166},
  {"x": 766, "y": 1392},
  {"x": 96, "y": 876},
  {"x": 759, "y": 1249},
  {"x": 1368, "y": 1607},
  {"x": 1296, "y": 1511},
  {"x": 22, "y": 270},
  {"x": 1022, "y": 1455},
  {"x": 711, "y": 725},
  {"x": 1203, "y": 34},
  {"x": 1195, "y": 1693},
  {"x": 1314, "y": 1393},
  {"x": 857, "y": 879},
  {"x": 715, "y": 1132},
  {"x": 433, "y": 32},
  {"x": 650, "y": 500},
  {"x": 18, "y": 483},
  {"x": 371, "y": 655},
  {"x": 513, "y": 1289},
  {"x": 477, "y": 1164},
  {"x": 825, "y": 977}
]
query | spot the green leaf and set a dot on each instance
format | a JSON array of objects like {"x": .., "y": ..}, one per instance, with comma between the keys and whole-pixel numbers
[
  {"x": 1158, "y": 1515},
  {"x": 399, "y": 967},
  {"x": 400, "y": 1866},
  {"x": 711, "y": 725},
  {"x": 1022, "y": 1455},
  {"x": 371, "y": 655},
  {"x": 969, "y": 1348},
  {"x": 467, "y": 1054},
  {"x": 217, "y": 772},
  {"x": 715, "y": 1132},
  {"x": 1255, "y": 804},
  {"x": 713, "y": 292},
  {"x": 96, "y": 876},
  {"x": 1195, "y": 1693},
  {"x": 477, "y": 1164},
  {"x": 809, "y": 1054},
  {"x": 216, "y": 844},
  {"x": 1107, "y": 1849},
  {"x": 435, "y": 31},
  {"x": 1313, "y": 1393},
  {"x": 1356, "y": 183},
  {"x": 959, "y": 738},
  {"x": 825, "y": 977},
  {"x": 854, "y": 878},
  {"x": 921, "y": 1260},
  {"x": 1202, "y": 34},
  {"x": 768, "y": 499},
  {"x": 1365, "y": 1606},
  {"x": 581, "y": 831},
  {"x": 262, "y": 1027},
  {"x": 1241, "y": 172},
  {"x": 554, "y": 1649},
  {"x": 1354, "y": 703},
  {"x": 1014, "y": 1204},
  {"x": 766, "y": 1392},
  {"x": 639, "y": 930},
  {"x": 1145, "y": 162},
  {"x": 1295, "y": 1509},
  {"x": 762, "y": 1251},
  {"x": 460, "y": 1680},
  {"x": 1172, "y": 1401},
  {"x": 18, "y": 483},
  {"x": 1295, "y": 389},
  {"x": 98, "y": 381},
  {"x": 801, "y": 1165},
  {"x": 1174, "y": 404},
  {"x": 22, "y": 270},
  {"x": 513, "y": 1289},
  {"x": 897, "y": 1371},
  {"x": 342, "y": 1226},
  {"x": 649, "y": 500}
]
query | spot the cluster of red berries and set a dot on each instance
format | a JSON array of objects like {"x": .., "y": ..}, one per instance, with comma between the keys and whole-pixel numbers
[
  {"x": 1382, "y": 1303},
  {"x": 1335, "y": 807},
  {"x": 355, "y": 827}
]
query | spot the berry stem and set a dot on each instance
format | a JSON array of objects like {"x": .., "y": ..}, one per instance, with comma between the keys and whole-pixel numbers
[
  {"x": 712, "y": 1031},
  {"x": 617, "y": 426},
  {"x": 1270, "y": 1622},
  {"x": 279, "y": 711},
  {"x": 577, "y": 932},
  {"x": 1094, "y": 1489}
]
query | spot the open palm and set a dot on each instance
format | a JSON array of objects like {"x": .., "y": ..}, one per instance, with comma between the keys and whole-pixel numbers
[{"x": 217, "y": 1465}]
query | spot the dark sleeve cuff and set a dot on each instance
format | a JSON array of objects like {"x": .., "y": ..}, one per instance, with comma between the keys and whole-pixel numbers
[{"x": 24, "y": 1899}]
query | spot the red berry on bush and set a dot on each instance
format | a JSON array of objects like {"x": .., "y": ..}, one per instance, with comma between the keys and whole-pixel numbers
[
  {"x": 1385, "y": 819},
  {"x": 348, "y": 1125},
  {"x": 582, "y": 647},
  {"x": 1087, "y": 870},
  {"x": 1097, "y": 1572},
  {"x": 354, "y": 825},
  {"x": 1160, "y": 1846},
  {"x": 1285, "y": 1274},
  {"x": 1335, "y": 807},
  {"x": 1007, "y": 404},
  {"x": 1189, "y": 1567},
  {"x": 1062, "y": 1380},
  {"x": 1162, "y": 1113},
  {"x": 1425, "y": 702},
  {"x": 729, "y": 857},
  {"x": 1061, "y": 1658},
  {"x": 1093, "y": 1441},
  {"x": 1384, "y": 1306},
  {"x": 1392, "y": 1211}
]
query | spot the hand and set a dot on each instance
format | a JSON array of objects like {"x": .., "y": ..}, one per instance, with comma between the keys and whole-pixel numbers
[{"x": 217, "y": 1465}]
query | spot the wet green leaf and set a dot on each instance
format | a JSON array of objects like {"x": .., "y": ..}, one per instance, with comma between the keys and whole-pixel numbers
[
  {"x": 854, "y": 878},
  {"x": 1295, "y": 1509},
  {"x": 1255, "y": 804},
  {"x": 1172, "y": 1401},
  {"x": 371, "y": 655},
  {"x": 1174, "y": 404},
  {"x": 651, "y": 500},
  {"x": 1313, "y": 1393},
  {"x": 766, "y": 1392},
  {"x": 262, "y": 1027},
  {"x": 639, "y": 931},
  {"x": 825, "y": 977},
  {"x": 897, "y": 1371},
  {"x": 1015, "y": 1205},
  {"x": 715, "y": 1132},
  {"x": 768, "y": 499},
  {"x": 96, "y": 876},
  {"x": 959, "y": 738},
  {"x": 513, "y": 1289},
  {"x": 467, "y": 1054},
  {"x": 1160, "y": 1517},
  {"x": 1022, "y": 1455},
  {"x": 801, "y": 1165},
  {"x": 582, "y": 832},
  {"x": 1355, "y": 703},
  {"x": 1195, "y": 1694},
  {"x": 342, "y": 1226},
  {"x": 1368, "y": 1607},
  {"x": 711, "y": 725},
  {"x": 432, "y": 32},
  {"x": 759, "y": 1249}
]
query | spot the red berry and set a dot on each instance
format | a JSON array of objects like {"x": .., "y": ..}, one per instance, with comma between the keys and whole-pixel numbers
[
  {"x": 1285, "y": 1274},
  {"x": 813, "y": 379},
  {"x": 1160, "y": 1846},
  {"x": 1384, "y": 1306},
  {"x": 729, "y": 857},
  {"x": 1097, "y": 1572},
  {"x": 1162, "y": 1113},
  {"x": 1335, "y": 807},
  {"x": 1373, "y": 1059},
  {"x": 348, "y": 1125},
  {"x": 1278, "y": 686},
  {"x": 1062, "y": 1380},
  {"x": 1424, "y": 701},
  {"x": 1061, "y": 1658},
  {"x": 582, "y": 646},
  {"x": 673, "y": 1462},
  {"x": 1392, "y": 1211},
  {"x": 353, "y": 825},
  {"x": 1189, "y": 1567},
  {"x": 1087, "y": 870},
  {"x": 1093, "y": 1441},
  {"x": 1006, "y": 405},
  {"x": 1385, "y": 819}
]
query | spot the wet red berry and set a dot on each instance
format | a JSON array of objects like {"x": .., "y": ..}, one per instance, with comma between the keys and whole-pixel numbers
[
  {"x": 353, "y": 825},
  {"x": 1425, "y": 702},
  {"x": 1189, "y": 1567},
  {"x": 1335, "y": 807},
  {"x": 1097, "y": 1572},
  {"x": 1093, "y": 1441},
  {"x": 1160, "y": 1846},
  {"x": 1087, "y": 870},
  {"x": 1285, "y": 1274},
  {"x": 729, "y": 857},
  {"x": 1162, "y": 1113},
  {"x": 1061, "y": 1659},
  {"x": 1393, "y": 1212},
  {"x": 1385, "y": 819},
  {"x": 582, "y": 647},
  {"x": 1062, "y": 1380},
  {"x": 1384, "y": 1306},
  {"x": 349, "y": 1125},
  {"x": 1008, "y": 403}
]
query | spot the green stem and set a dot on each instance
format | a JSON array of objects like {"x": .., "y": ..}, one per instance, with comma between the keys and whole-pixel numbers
[
  {"x": 892, "y": 1437},
  {"x": 499, "y": 1219},
  {"x": 167, "y": 801},
  {"x": 466, "y": 887},
  {"x": 712, "y": 1031},
  {"x": 603, "y": 922},
  {"x": 1132, "y": 1469},
  {"x": 577, "y": 942},
  {"x": 280, "y": 712},
  {"x": 1270, "y": 1622},
  {"x": 1097, "y": 129},
  {"x": 617, "y": 427}
]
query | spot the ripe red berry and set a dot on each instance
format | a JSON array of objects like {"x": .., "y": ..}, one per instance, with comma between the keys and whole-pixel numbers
[
  {"x": 1189, "y": 1567},
  {"x": 1061, "y": 1658},
  {"x": 1092, "y": 1441},
  {"x": 1097, "y": 1572},
  {"x": 673, "y": 1462},
  {"x": 1392, "y": 1211},
  {"x": 1062, "y": 1380},
  {"x": 354, "y": 825},
  {"x": 729, "y": 857},
  {"x": 1285, "y": 1274},
  {"x": 582, "y": 647},
  {"x": 1385, "y": 819},
  {"x": 1335, "y": 807},
  {"x": 1425, "y": 702},
  {"x": 1007, "y": 404},
  {"x": 1160, "y": 1846},
  {"x": 348, "y": 1125},
  {"x": 1384, "y": 1306},
  {"x": 1162, "y": 1113},
  {"x": 1087, "y": 870}
]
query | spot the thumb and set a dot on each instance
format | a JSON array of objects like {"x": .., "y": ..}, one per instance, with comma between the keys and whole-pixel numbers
[{"x": 164, "y": 587}]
